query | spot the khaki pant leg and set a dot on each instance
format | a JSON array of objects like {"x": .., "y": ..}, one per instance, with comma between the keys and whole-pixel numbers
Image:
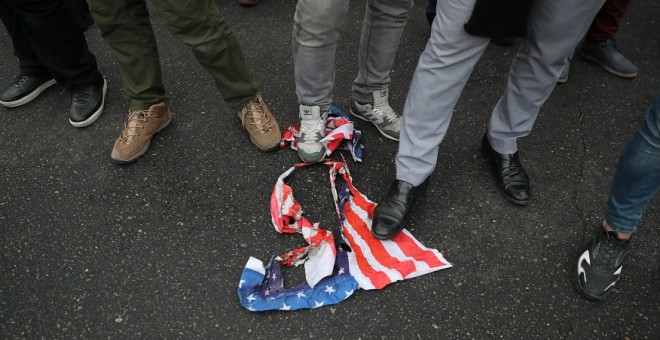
[
  {"x": 125, "y": 26},
  {"x": 199, "y": 25}
]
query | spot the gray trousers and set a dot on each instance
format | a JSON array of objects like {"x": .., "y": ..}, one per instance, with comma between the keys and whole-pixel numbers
[
  {"x": 555, "y": 28},
  {"x": 315, "y": 34}
]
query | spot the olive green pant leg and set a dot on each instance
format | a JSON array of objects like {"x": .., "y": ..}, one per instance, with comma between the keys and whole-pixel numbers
[
  {"x": 199, "y": 25},
  {"x": 125, "y": 26}
]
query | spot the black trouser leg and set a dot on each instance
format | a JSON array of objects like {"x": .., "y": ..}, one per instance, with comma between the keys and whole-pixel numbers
[{"x": 45, "y": 35}]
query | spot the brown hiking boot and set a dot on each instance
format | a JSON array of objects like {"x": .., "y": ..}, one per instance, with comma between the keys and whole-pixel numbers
[
  {"x": 140, "y": 126},
  {"x": 260, "y": 124},
  {"x": 247, "y": 2}
]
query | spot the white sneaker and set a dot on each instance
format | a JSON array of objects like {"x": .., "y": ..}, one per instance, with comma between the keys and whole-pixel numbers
[
  {"x": 381, "y": 114},
  {"x": 312, "y": 130}
]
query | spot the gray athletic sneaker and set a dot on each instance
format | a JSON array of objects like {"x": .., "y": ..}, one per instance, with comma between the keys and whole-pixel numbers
[
  {"x": 380, "y": 113},
  {"x": 312, "y": 130}
]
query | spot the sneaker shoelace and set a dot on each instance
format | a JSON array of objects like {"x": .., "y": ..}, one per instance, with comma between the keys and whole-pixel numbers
[
  {"x": 133, "y": 122},
  {"x": 82, "y": 95},
  {"x": 20, "y": 81},
  {"x": 386, "y": 111},
  {"x": 313, "y": 127},
  {"x": 610, "y": 248},
  {"x": 257, "y": 115}
]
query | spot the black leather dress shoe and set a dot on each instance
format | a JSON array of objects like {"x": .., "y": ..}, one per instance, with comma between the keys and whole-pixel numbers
[
  {"x": 511, "y": 178},
  {"x": 391, "y": 212},
  {"x": 87, "y": 104},
  {"x": 24, "y": 89}
]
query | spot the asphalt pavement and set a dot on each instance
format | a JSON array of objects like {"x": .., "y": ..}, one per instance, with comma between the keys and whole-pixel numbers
[{"x": 155, "y": 249}]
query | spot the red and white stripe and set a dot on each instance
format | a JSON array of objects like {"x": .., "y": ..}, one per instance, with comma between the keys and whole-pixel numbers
[{"x": 374, "y": 263}]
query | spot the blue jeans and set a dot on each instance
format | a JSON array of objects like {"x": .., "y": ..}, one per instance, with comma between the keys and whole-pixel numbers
[
  {"x": 316, "y": 26},
  {"x": 637, "y": 177}
]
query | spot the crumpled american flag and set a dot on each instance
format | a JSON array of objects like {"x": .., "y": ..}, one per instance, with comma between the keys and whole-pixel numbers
[
  {"x": 332, "y": 272},
  {"x": 338, "y": 129}
]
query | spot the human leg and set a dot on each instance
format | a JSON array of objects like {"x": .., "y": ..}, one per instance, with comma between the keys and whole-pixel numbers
[
  {"x": 28, "y": 60},
  {"x": 636, "y": 181},
  {"x": 316, "y": 27},
  {"x": 607, "y": 21},
  {"x": 599, "y": 45},
  {"x": 200, "y": 26},
  {"x": 33, "y": 77},
  {"x": 555, "y": 28},
  {"x": 441, "y": 74},
  {"x": 637, "y": 177},
  {"x": 57, "y": 43},
  {"x": 384, "y": 21},
  {"x": 50, "y": 40},
  {"x": 126, "y": 27}
]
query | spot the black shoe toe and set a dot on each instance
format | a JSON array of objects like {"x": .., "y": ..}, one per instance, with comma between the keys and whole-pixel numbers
[
  {"x": 87, "y": 104},
  {"x": 391, "y": 212}
]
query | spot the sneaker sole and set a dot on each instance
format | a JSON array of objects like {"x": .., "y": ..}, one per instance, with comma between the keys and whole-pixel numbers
[
  {"x": 30, "y": 96},
  {"x": 277, "y": 146},
  {"x": 272, "y": 148},
  {"x": 607, "y": 68},
  {"x": 144, "y": 149},
  {"x": 377, "y": 127},
  {"x": 307, "y": 159},
  {"x": 96, "y": 113}
]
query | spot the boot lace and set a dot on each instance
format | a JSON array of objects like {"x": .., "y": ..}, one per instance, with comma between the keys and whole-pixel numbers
[
  {"x": 133, "y": 122},
  {"x": 258, "y": 120}
]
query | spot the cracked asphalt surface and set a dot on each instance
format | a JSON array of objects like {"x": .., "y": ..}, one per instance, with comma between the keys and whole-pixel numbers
[{"x": 155, "y": 249}]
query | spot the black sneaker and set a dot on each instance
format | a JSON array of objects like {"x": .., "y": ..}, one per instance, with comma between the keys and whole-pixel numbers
[
  {"x": 87, "y": 104},
  {"x": 24, "y": 89},
  {"x": 600, "y": 263}
]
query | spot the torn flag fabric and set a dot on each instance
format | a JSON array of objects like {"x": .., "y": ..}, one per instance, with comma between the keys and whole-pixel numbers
[
  {"x": 340, "y": 133},
  {"x": 262, "y": 288},
  {"x": 332, "y": 272}
]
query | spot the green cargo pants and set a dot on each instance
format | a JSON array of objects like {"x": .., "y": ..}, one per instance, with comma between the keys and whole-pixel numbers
[{"x": 125, "y": 25}]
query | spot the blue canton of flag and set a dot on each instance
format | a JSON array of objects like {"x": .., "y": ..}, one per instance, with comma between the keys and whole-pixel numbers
[{"x": 262, "y": 289}]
